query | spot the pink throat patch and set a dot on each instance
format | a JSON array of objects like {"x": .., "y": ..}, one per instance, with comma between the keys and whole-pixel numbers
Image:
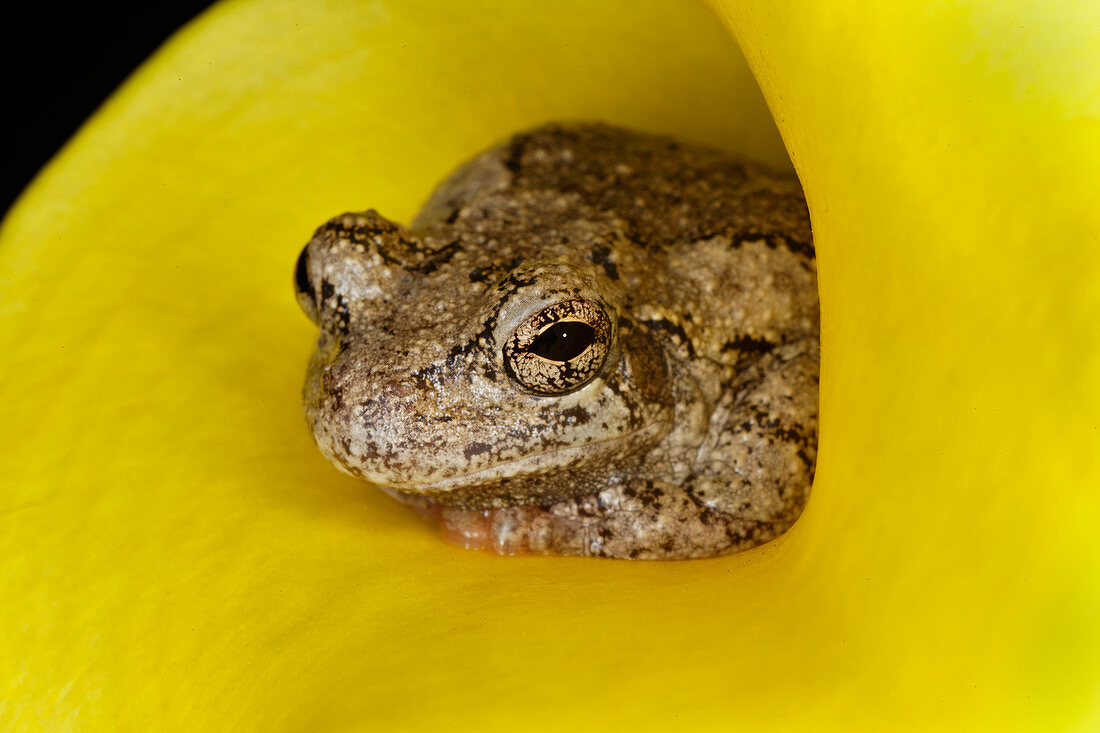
[{"x": 504, "y": 531}]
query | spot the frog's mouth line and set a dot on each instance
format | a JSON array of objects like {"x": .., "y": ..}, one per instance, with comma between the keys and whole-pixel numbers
[{"x": 517, "y": 468}]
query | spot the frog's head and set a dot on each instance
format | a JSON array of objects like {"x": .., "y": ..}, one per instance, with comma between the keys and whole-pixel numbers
[{"x": 443, "y": 369}]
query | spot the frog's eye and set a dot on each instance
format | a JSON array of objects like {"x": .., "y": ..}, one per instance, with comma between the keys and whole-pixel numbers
[
  {"x": 307, "y": 298},
  {"x": 559, "y": 349}
]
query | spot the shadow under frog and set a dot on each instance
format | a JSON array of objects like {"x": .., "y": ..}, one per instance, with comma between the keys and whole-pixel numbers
[{"x": 590, "y": 341}]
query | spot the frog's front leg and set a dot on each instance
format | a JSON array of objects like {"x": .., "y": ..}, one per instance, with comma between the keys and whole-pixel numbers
[
  {"x": 759, "y": 457},
  {"x": 640, "y": 519}
]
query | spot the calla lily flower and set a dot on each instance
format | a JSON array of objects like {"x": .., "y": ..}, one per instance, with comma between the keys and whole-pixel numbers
[{"x": 177, "y": 555}]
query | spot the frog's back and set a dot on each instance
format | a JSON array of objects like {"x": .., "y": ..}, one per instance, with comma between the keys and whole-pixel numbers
[{"x": 667, "y": 191}]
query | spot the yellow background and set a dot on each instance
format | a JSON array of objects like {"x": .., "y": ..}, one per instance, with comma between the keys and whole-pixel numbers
[{"x": 175, "y": 554}]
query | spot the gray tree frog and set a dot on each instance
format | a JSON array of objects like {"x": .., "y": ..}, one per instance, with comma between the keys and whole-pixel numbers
[{"x": 590, "y": 341}]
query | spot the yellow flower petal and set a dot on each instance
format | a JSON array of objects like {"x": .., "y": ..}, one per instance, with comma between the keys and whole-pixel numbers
[
  {"x": 176, "y": 554},
  {"x": 951, "y": 158}
]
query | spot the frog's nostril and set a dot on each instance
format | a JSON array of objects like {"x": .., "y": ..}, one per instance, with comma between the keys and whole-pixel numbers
[
  {"x": 402, "y": 390},
  {"x": 389, "y": 410}
]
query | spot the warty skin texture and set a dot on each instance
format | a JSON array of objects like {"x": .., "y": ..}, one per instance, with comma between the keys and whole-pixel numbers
[{"x": 695, "y": 436}]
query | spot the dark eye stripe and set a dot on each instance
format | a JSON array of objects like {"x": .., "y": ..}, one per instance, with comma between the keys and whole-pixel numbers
[{"x": 563, "y": 341}]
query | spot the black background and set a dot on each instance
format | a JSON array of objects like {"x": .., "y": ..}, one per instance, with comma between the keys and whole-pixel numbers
[{"x": 61, "y": 64}]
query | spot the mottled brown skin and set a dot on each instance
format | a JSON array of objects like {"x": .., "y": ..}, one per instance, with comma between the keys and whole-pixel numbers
[{"x": 698, "y": 434}]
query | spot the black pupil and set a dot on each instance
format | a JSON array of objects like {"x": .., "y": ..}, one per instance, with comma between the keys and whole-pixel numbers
[{"x": 563, "y": 341}]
